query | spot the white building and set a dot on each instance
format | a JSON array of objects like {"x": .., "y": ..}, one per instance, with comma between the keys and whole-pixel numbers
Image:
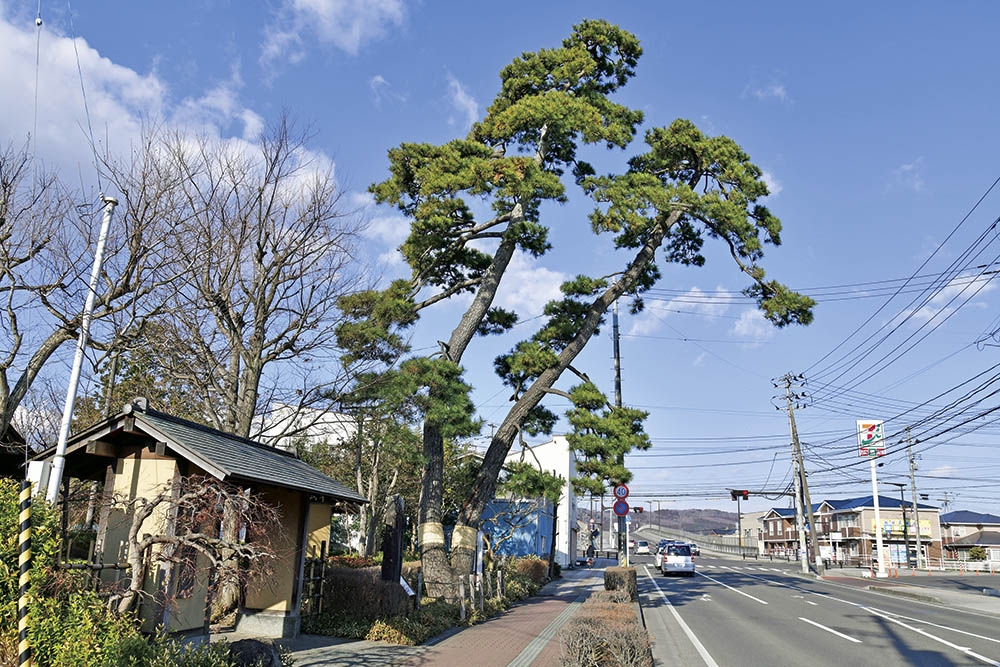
[
  {"x": 555, "y": 456},
  {"x": 287, "y": 425}
]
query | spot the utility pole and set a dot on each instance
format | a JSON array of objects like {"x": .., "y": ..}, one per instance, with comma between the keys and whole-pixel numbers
[
  {"x": 803, "y": 485},
  {"x": 622, "y": 526},
  {"x": 913, "y": 490},
  {"x": 902, "y": 513}
]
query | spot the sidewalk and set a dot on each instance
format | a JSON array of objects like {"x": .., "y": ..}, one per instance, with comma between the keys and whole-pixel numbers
[{"x": 524, "y": 635}]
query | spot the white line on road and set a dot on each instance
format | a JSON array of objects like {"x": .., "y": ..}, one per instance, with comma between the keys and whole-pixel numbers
[
  {"x": 702, "y": 651},
  {"x": 735, "y": 590},
  {"x": 830, "y": 630},
  {"x": 889, "y": 616},
  {"x": 938, "y": 625},
  {"x": 815, "y": 604},
  {"x": 963, "y": 649}
]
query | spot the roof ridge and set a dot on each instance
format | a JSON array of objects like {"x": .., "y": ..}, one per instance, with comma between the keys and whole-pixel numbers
[{"x": 209, "y": 429}]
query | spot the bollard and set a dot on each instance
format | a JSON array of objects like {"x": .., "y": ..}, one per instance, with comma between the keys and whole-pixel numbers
[{"x": 24, "y": 565}]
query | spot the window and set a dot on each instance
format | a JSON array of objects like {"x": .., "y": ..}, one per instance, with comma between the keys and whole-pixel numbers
[{"x": 678, "y": 550}]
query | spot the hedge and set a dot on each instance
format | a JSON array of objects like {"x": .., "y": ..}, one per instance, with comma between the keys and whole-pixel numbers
[
  {"x": 605, "y": 632},
  {"x": 621, "y": 579}
]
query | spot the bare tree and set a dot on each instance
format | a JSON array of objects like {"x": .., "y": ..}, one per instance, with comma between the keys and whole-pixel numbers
[
  {"x": 46, "y": 242},
  {"x": 179, "y": 526},
  {"x": 269, "y": 252}
]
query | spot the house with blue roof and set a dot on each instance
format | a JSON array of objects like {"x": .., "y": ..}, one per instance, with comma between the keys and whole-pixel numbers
[
  {"x": 963, "y": 529},
  {"x": 846, "y": 530}
]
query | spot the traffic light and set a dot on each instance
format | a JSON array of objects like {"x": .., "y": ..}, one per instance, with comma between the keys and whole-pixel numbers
[
  {"x": 637, "y": 509},
  {"x": 739, "y": 493}
]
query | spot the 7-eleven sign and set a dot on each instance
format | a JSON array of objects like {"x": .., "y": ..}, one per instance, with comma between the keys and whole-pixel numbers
[{"x": 871, "y": 437}]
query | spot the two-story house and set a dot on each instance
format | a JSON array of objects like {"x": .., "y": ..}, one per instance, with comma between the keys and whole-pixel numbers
[
  {"x": 846, "y": 530},
  {"x": 962, "y": 529}
]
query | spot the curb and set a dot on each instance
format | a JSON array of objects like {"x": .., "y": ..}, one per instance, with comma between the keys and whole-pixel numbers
[{"x": 906, "y": 594}]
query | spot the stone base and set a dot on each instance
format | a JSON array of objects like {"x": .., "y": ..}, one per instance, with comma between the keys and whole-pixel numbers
[{"x": 274, "y": 624}]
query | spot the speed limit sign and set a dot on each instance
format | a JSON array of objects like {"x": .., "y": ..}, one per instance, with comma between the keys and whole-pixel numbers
[{"x": 621, "y": 492}]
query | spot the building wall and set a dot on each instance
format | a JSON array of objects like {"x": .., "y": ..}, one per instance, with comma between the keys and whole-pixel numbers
[
  {"x": 274, "y": 592},
  {"x": 556, "y": 457},
  {"x": 532, "y": 538}
]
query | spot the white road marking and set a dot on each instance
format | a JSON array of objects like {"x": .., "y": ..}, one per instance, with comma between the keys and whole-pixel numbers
[
  {"x": 831, "y": 630},
  {"x": 735, "y": 590},
  {"x": 774, "y": 569},
  {"x": 889, "y": 616},
  {"x": 815, "y": 604},
  {"x": 702, "y": 651},
  {"x": 937, "y": 625},
  {"x": 963, "y": 649}
]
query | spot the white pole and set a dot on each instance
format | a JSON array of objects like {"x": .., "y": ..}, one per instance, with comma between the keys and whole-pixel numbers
[
  {"x": 59, "y": 461},
  {"x": 878, "y": 524},
  {"x": 627, "y": 524}
]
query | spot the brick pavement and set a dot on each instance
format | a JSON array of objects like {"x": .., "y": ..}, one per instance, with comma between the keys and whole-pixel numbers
[{"x": 495, "y": 642}]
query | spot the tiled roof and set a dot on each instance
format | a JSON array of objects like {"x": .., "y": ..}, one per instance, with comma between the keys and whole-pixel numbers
[
  {"x": 979, "y": 538},
  {"x": 868, "y": 501},
  {"x": 965, "y": 516},
  {"x": 244, "y": 459}
]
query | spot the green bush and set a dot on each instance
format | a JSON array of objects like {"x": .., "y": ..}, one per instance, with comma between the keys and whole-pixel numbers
[
  {"x": 352, "y": 561},
  {"x": 606, "y": 632},
  {"x": 977, "y": 553},
  {"x": 621, "y": 579},
  {"x": 68, "y": 625}
]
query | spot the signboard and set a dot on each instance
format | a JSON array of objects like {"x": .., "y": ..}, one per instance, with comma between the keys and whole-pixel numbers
[
  {"x": 406, "y": 587},
  {"x": 836, "y": 537},
  {"x": 621, "y": 492},
  {"x": 871, "y": 437},
  {"x": 621, "y": 508},
  {"x": 628, "y": 519},
  {"x": 894, "y": 527}
]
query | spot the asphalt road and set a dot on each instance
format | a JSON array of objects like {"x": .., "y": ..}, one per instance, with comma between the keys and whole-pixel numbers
[{"x": 758, "y": 613}]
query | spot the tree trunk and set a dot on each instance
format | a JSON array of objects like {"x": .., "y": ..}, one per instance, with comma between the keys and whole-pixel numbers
[{"x": 555, "y": 533}]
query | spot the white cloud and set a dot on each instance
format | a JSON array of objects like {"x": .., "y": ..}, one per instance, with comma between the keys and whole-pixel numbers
[
  {"x": 772, "y": 91},
  {"x": 121, "y": 100},
  {"x": 464, "y": 103},
  {"x": 526, "y": 286},
  {"x": 699, "y": 360},
  {"x": 942, "y": 471},
  {"x": 346, "y": 24},
  {"x": 908, "y": 175},
  {"x": 774, "y": 186},
  {"x": 382, "y": 91},
  {"x": 651, "y": 319},
  {"x": 752, "y": 325},
  {"x": 958, "y": 288}
]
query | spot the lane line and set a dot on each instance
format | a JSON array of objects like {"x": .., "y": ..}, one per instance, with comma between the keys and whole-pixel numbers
[
  {"x": 735, "y": 590},
  {"x": 962, "y": 649},
  {"x": 815, "y": 604},
  {"x": 937, "y": 625},
  {"x": 830, "y": 630},
  {"x": 702, "y": 651},
  {"x": 889, "y": 617}
]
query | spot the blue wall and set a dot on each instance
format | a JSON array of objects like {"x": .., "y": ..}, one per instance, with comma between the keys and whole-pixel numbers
[{"x": 534, "y": 538}]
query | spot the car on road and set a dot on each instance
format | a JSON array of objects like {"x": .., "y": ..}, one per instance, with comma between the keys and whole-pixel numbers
[
  {"x": 677, "y": 559},
  {"x": 695, "y": 549},
  {"x": 642, "y": 547}
]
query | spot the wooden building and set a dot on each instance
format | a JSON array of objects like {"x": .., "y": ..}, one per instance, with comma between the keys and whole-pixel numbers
[{"x": 141, "y": 452}]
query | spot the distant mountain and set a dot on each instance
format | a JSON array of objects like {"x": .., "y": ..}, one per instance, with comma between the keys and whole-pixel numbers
[{"x": 693, "y": 520}]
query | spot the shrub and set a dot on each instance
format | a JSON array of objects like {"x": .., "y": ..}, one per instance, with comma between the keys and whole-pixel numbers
[
  {"x": 352, "y": 561},
  {"x": 532, "y": 566},
  {"x": 556, "y": 570},
  {"x": 977, "y": 553},
  {"x": 362, "y": 592},
  {"x": 621, "y": 579},
  {"x": 605, "y": 631}
]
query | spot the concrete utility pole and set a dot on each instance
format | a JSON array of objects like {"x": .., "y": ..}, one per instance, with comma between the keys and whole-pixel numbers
[
  {"x": 803, "y": 484},
  {"x": 902, "y": 513},
  {"x": 916, "y": 512},
  {"x": 622, "y": 526}
]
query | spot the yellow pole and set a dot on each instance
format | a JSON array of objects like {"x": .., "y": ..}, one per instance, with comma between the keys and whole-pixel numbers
[{"x": 24, "y": 565}]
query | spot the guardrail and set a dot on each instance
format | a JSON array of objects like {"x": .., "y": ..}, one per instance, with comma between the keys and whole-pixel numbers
[{"x": 724, "y": 546}]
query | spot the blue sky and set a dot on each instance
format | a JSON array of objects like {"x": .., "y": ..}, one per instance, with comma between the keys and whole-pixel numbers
[{"x": 875, "y": 127}]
